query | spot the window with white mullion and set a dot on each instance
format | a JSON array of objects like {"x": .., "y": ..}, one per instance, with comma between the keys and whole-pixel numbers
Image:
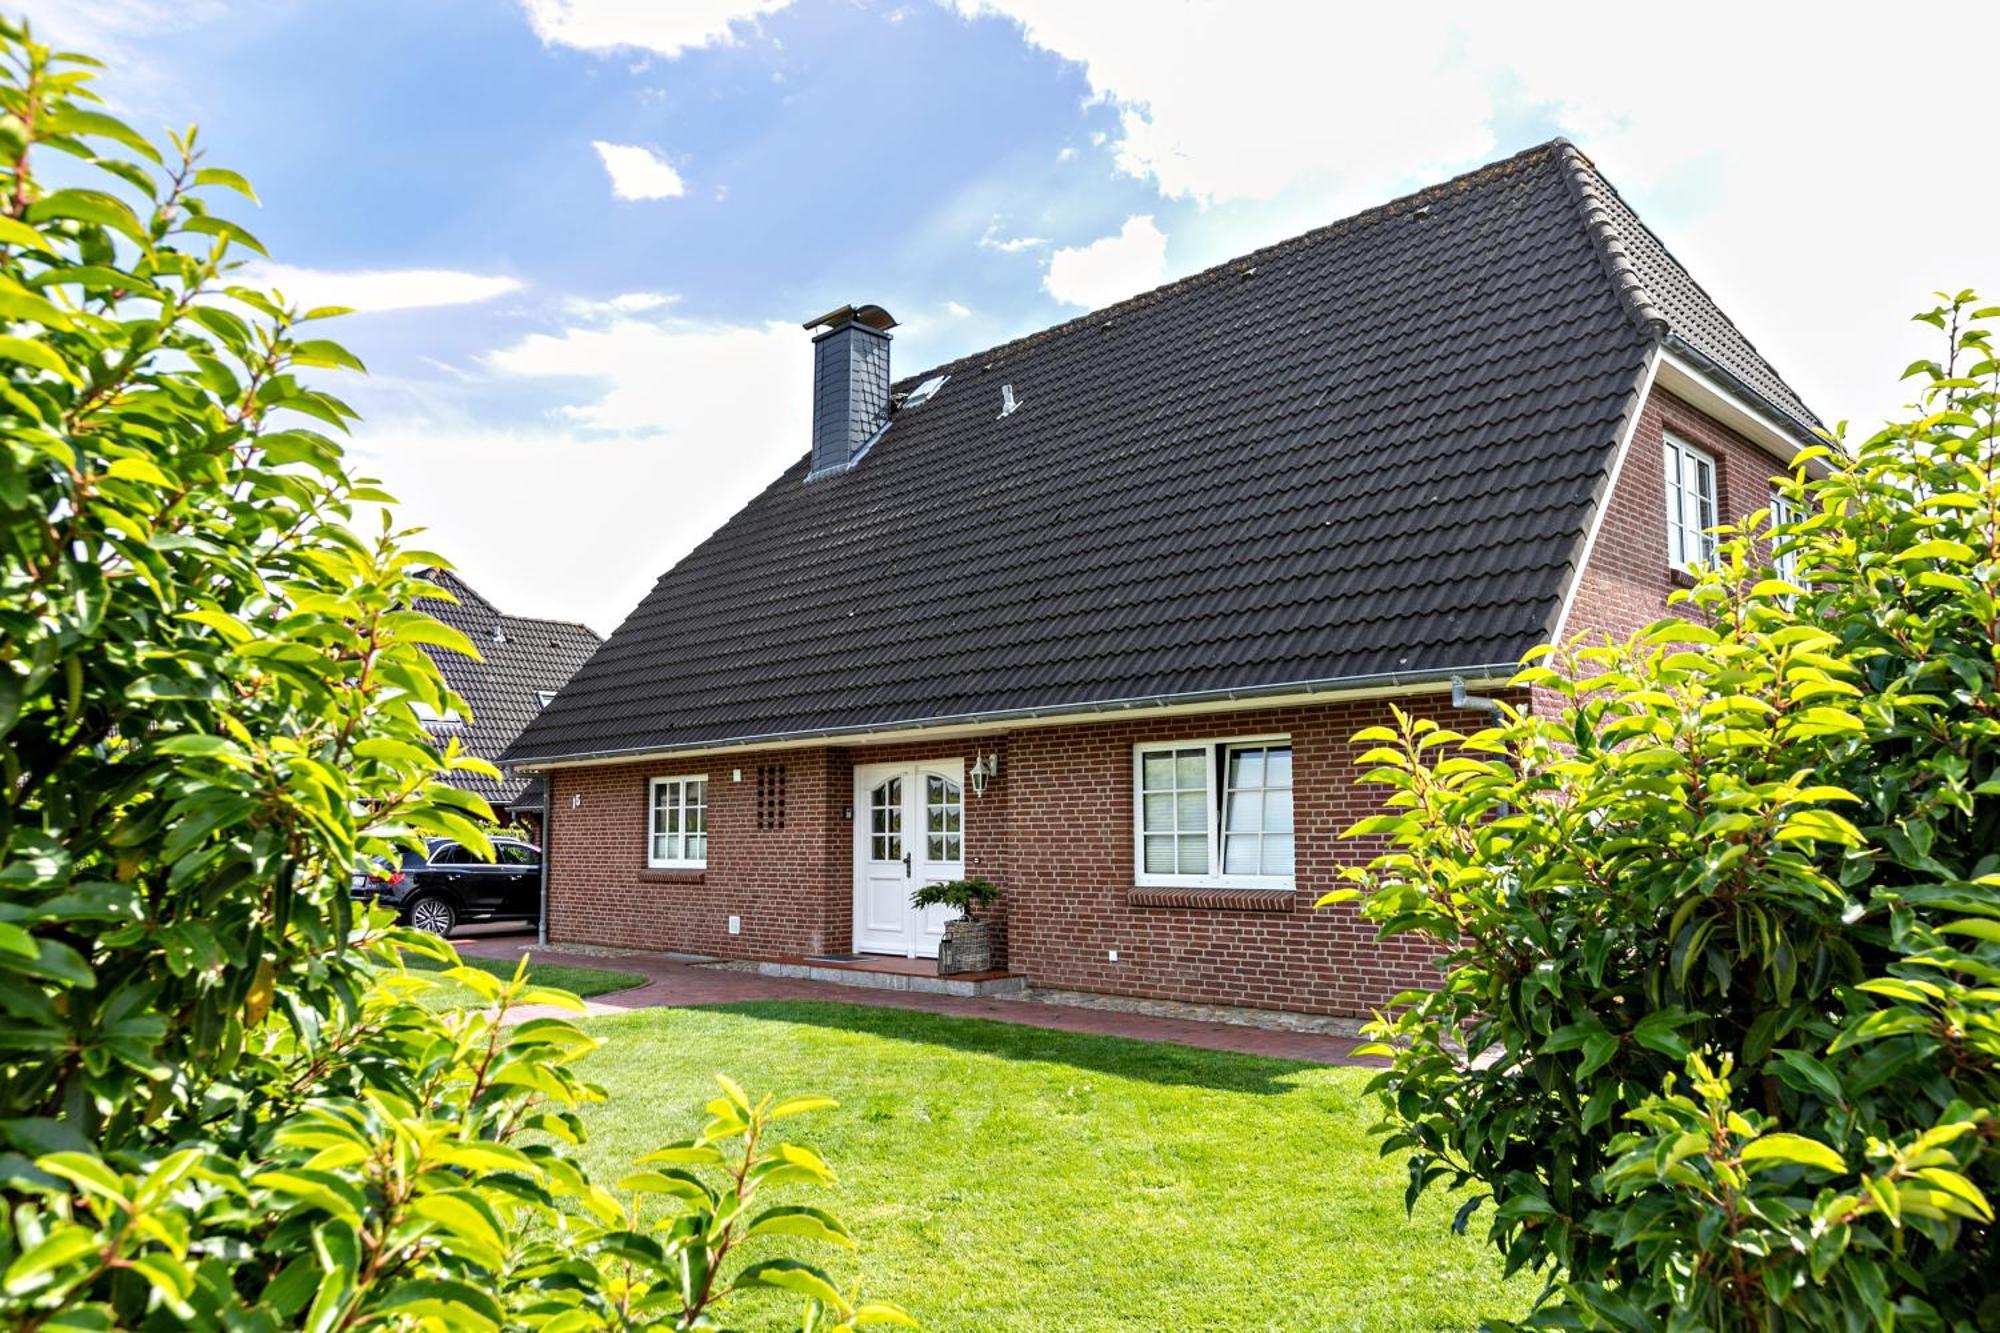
[
  {"x": 1174, "y": 797},
  {"x": 1214, "y": 814},
  {"x": 1691, "y": 505},
  {"x": 1785, "y": 564},
  {"x": 678, "y": 824},
  {"x": 1257, "y": 823}
]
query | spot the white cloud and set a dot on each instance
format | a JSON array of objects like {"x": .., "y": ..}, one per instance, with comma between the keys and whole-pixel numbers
[
  {"x": 375, "y": 290},
  {"x": 638, "y": 173},
  {"x": 957, "y": 310},
  {"x": 991, "y": 239},
  {"x": 665, "y": 27},
  {"x": 1786, "y": 193},
  {"x": 625, "y": 303},
  {"x": 1112, "y": 267},
  {"x": 664, "y": 427}
]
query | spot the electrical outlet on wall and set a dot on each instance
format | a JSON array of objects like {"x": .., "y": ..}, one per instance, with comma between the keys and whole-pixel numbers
[{"x": 736, "y": 925}]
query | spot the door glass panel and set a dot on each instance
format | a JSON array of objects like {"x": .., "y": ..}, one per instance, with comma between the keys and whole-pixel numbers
[
  {"x": 885, "y": 821},
  {"x": 943, "y": 806}
]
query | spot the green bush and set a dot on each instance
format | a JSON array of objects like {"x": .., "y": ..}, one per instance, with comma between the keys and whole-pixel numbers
[
  {"x": 215, "y": 1111},
  {"x": 961, "y": 895},
  {"x": 1719, "y": 1042}
]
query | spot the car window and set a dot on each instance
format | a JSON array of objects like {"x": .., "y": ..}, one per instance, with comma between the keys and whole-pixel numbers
[
  {"x": 451, "y": 854},
  {"x": 517, "y": 854}
]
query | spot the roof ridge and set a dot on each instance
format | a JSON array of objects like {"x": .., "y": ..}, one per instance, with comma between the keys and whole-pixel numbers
[
  {"x": 1464, "y": 180},
  {"x": 552, "y": 620},
  {"x": 1586, "y": 185},
  {"x": 454, "y": 583},
  {"x": 1590, "y": 186}
]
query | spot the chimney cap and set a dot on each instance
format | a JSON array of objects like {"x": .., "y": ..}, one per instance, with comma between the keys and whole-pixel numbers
[{"x": 868, "y": 316}]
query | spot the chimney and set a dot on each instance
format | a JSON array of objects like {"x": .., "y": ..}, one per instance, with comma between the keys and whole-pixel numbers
[{"x": 850, "y": 384}]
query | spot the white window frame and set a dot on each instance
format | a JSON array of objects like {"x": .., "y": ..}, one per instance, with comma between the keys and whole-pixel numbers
[
  {"x": 653, "y": 833},
  {"x": 431, "y": 717},
  {"x": 1783, "y": 514},
  {"x": 1212, "y": 748},
  {"x": 1684, "y": 528}
]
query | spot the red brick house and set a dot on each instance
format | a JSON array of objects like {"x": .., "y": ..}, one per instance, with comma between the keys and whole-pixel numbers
[{"x": 1094, "y": 614}]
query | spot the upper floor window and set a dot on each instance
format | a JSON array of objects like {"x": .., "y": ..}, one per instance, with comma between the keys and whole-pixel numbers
[
  {"x": 1691, "y": 507},
  {"x": 678, "y": 824},
  {"x": 1214, "y": 813},
  {"x": 1785, "y": 564}
]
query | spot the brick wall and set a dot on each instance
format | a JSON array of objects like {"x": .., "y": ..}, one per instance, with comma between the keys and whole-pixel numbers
[
  {"x": 1628, "y": 577},
  {"x": 1055, "y": 832},
  {"x": 1073, "y": 899},
  {"x": 774, "y": 879},
  {"x": 791, "y": 887}
]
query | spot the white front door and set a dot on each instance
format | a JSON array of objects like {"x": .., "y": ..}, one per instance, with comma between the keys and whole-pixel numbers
[{"x": 909, "y": 830}]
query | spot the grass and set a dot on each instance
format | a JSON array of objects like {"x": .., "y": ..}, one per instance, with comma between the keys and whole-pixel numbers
[
  {"x": 583, "y": 981},
  {"x": 1008, "y": 1177}
]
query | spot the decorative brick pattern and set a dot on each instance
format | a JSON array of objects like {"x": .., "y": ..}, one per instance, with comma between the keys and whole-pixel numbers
[{"x": 1217, "y": 900}]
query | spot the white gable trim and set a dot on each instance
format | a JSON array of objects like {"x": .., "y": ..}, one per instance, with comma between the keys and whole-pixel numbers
[
  {"x": 1684, "y": 381},
  {"x": 1654, "y": 361}
]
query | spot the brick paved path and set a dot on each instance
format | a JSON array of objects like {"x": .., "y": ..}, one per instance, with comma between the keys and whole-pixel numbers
[{"x": 677, "y": 984}]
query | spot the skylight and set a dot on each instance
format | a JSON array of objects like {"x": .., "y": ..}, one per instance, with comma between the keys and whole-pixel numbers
[
  {"x": 923, "y": 392},
  {"x": 431, "y": 717}
]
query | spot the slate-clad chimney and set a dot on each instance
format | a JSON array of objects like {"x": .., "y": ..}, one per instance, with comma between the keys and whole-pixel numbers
[{"x": 850, "y": 383}]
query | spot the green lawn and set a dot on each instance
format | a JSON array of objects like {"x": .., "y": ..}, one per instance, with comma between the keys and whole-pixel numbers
[
  {"x": 584, "y": 981},
  {"x": 1008, "y": 1177}
]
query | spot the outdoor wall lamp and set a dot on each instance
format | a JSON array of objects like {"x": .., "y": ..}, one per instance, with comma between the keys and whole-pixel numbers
[{"x": 985, "y": 768}]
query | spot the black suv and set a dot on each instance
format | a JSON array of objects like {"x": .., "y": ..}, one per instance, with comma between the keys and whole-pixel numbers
[{"x": 446, "y": 885}]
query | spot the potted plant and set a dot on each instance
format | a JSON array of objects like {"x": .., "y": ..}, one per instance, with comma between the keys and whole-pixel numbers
[{"x": 967, "y": 945}]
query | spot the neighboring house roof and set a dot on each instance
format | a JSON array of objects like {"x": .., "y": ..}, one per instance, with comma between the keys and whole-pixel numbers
[
  {"x": 523, "y": 658},
  {"x": 1366, "y": 454}
]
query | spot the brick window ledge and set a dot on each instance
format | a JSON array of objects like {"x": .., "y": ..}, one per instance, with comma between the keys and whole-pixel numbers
[
  {"x": 1216, "y": 900},
  {"x": 648, "y": 875}
]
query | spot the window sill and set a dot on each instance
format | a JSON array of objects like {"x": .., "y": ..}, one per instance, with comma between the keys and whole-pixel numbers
[
  {"x": 681, "y": 875},
  {"x": 1214, "y": 900},
  {"x": 1678, "y": 577}
]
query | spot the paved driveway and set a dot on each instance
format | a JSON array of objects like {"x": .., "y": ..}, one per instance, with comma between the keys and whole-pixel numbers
[{"x": 671, "y": 983}]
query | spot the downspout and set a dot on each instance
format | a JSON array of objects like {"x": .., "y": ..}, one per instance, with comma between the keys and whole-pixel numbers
[
  {"x": 1471, "y": 703},
  {"x": 548, "y": 846}
]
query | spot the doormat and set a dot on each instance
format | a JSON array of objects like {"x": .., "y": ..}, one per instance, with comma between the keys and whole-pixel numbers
[{"x": 833, "y": 958}]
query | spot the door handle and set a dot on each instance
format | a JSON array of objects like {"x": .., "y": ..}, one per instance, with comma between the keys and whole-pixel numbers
[{"x": 906, "y": 865}]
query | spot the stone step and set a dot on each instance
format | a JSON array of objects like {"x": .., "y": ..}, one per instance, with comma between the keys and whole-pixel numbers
[{"x": 839, "y": 974}]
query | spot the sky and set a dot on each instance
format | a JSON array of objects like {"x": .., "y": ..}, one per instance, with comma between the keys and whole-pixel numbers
[{"x": 582, "y": 235}]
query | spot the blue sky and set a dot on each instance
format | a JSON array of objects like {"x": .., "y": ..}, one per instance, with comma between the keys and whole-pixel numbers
[{"x": 585, "y": 232}]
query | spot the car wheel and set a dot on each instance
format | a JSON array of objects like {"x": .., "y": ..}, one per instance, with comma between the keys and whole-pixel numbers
[{"x": 433, "y": 916}]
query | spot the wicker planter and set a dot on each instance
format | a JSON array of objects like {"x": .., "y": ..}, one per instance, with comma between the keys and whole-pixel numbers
[{"x": 967, "y": 946}]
